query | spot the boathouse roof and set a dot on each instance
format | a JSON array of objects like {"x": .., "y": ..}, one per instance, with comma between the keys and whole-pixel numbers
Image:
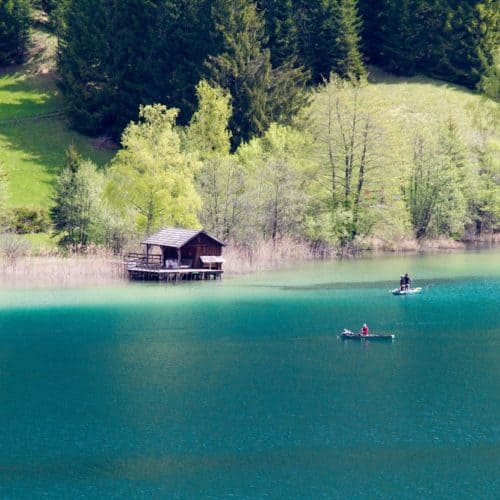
[{"x": 176, "y": 237}]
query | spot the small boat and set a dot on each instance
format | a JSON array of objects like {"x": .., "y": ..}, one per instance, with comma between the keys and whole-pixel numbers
[
  {"x": 347, "y": 334},
  {"x": 411, "y": 291}
]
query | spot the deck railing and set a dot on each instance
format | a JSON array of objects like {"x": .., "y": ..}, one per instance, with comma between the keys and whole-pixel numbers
[{"x": 138, "y": 260}]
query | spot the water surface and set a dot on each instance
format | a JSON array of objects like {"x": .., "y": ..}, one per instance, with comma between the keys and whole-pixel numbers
[{"x": 242, "y": 389}]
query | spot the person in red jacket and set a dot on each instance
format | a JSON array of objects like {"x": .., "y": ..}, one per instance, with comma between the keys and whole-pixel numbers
[{"x": 365, "y": 330}]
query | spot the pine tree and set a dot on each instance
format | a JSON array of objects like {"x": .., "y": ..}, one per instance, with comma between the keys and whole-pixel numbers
[
  {"x": 184, "y": 36},
  {"x": 77, "y": 201},
  {"x": 347, "y": 59},
  {"x": 281, "y": 30},
  {"x": 399, "y": 39},
  {"x": 14, "y": 30},
  {"x": 472, "y": 31},
  {"x": 243, "y": 67},
  {"x": 260, "y": 93},
  {"x": 310, "y": 19},
  {"x": 132, "y": 40},
  {"x": 85, "y": 64},
  {"x": 104, "y": 62},
  {"x": 370, "y": 12},
  {"x": 329, "y": 38}
]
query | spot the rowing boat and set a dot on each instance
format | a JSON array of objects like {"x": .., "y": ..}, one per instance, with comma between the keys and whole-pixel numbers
[
  {"x": 411, "y": 291},
  {"x": 358, "y": 336}
]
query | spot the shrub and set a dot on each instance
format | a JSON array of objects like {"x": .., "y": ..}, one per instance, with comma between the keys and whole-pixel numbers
[{"x": 25, "y": 220}]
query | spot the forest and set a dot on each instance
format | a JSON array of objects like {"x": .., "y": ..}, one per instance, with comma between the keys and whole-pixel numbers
[{"x": 259, "y": 120}]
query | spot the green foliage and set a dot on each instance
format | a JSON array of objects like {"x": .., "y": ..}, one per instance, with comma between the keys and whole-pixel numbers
[
  {"x": 14, "y": 30},
  {"x": 183, "y": 38},
  {"x": 473, "y": 29},
  {"x": 348, "y": 61},
  {"x": 151, "y": 181},
  {"x": 3, "y": 196},
  {"x": 444, "y": 38},
  {"x": 243, "y": 67},
  {"x": 328, "y": 37},
  {"x": 490, "y": 81},
  {"x": 438, "y": 180},
  {"x": 260, "y": 93},
  {"x": 220, "y": 180},
  {"x": 208, "y": 132},
  {"x": 281, "y": 30},
  {"x": 77, "y": 207},
  {"x": 26, "y": 220},
  {"x": 485, "y": 204},
  {"x": 345, "y": 122},
  {"x": 279, "y": 169},
  {"x": 105, "y": 56},
  {"x": 338, "y": 46},
  {"x": 83, "y": 65}
]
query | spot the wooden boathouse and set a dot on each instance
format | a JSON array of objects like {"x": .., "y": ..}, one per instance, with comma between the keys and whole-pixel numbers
[{"x": 175, "y": 254}]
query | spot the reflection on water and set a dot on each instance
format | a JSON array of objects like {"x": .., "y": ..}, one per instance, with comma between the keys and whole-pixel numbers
[{"x": 243, "y": 389}]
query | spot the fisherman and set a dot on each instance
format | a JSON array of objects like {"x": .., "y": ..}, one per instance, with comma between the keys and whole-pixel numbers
[
  {"x": 407, "y": 281},
  {"x": 364, "y": 329}
]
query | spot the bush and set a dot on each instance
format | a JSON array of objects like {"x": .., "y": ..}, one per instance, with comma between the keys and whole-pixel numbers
[
  {"x": 25, "y": 220},
  {"x": 12, "y": 246}
]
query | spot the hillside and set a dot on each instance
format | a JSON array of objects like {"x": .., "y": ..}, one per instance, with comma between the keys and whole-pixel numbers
[{"x": 33, "y": 131}]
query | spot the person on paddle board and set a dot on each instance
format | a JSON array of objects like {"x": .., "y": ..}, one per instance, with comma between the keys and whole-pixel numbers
[
  {"x": 365, "y": 330},
  {"x": 407, "y": 281},
  {"x": 402, "y": 282}
]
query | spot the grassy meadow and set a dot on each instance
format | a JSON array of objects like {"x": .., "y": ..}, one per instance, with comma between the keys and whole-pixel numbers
[{"x": 32, "y": 144}]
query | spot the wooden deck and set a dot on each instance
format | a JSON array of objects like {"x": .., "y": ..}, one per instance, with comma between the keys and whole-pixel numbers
[
  {"x": 152, "y": 269},
  {"x": 147, "y": 273}
]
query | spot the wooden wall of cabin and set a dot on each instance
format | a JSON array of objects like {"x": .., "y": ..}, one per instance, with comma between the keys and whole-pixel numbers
[{"x": 202, "y": 245}]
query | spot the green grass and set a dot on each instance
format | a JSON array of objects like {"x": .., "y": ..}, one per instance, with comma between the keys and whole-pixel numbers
[
  {"x": 414, "y": 103},
  {"x": 32, "y": 151},
  {"x": 40, "y": 242}
]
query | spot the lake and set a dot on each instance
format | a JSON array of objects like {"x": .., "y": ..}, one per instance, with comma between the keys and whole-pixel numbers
[{"x": 242, "y": 389}]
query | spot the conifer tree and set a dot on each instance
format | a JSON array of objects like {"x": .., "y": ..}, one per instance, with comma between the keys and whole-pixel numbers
[
  {"x": 132, "y": 41},
  {"x": 77, "y": 209},
  {"x": 472, "y": 29},
  {"x": 14, "y": 30},
  {"x": 281, "y": 30},
  {"x": 347, "y": 59},
  {"x": 243, "y": 67},
  {"x": 260, "y": 93},
  {"x": 329, "y": 35},
  {"x": 184, "y": 36},
  {"x": 85, "y": 65},
  {"x": 309, "y": 18},
  {"x": 104, "y": 62},
  {"x": 370, "y": 12}
]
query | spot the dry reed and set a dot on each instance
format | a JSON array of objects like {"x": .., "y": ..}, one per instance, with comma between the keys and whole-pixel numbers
[
  {"x": 83, "y": 270},
  {"x": 267, "y": 255},
  {"x": 99, "y": 267}
]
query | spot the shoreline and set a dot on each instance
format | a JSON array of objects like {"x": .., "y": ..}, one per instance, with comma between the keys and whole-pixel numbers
[{"x": 97, "y": 270}]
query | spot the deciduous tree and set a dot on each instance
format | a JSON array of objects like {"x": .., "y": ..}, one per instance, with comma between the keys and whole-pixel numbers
[{"x": 151, "y": 179}]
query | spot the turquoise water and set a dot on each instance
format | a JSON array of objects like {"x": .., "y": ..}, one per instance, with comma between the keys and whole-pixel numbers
[{"x": 242, "y": 389}]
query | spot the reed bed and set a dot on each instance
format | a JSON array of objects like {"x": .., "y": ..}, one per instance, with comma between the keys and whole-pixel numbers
[
  {"x": 100, "y": 267},
  {"x": 268, "y": 255},
  {"x": 61, "y": 272}
]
